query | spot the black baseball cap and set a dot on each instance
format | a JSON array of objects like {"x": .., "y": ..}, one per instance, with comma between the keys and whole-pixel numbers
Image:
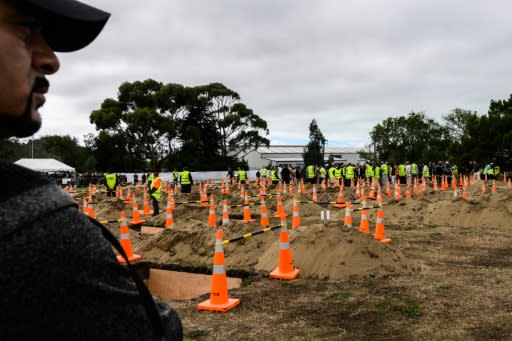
[{"x": 68, "y": 25}]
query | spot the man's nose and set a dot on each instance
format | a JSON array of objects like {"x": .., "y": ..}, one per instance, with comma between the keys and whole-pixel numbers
[{"x": 43, "y": 57}]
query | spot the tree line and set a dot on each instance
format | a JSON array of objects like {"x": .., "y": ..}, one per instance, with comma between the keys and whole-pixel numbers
[
  {"x": 463, "y": 136},
  {"x": 155, "y": 125}
]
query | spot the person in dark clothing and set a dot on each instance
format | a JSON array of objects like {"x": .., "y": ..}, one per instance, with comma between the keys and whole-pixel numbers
[
  {"x": 230, "y": 174},
  {"x": 143, "y": 177},
  {"x": 285, "y": 174},
  {"x": 60, "y": 277}
]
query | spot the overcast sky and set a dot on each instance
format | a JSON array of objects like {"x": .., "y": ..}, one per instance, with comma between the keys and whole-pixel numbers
[{"x": 348, "y": 64}]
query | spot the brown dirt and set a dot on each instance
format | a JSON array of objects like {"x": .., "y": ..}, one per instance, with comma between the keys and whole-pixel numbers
[{"x": 445, "y": 276}]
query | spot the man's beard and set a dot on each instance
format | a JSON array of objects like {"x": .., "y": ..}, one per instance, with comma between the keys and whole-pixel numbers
[
  {"x": 25, "y": 125},
  {"x": 21, "y": 126}
]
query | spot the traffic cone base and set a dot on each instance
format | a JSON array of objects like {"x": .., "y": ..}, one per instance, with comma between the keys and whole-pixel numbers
[
  {"x": 219, "y": 300},
  {"x": 133, "y": 258},
  {"x": 285, "y": 275},
  {"x": 230, "y": 304},
  {"x": 136, "y": 219}
]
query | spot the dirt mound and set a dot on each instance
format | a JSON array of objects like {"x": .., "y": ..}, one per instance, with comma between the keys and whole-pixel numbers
[
  {"x": 435, "y": 208},
  {"x": 329, "y": 251}
]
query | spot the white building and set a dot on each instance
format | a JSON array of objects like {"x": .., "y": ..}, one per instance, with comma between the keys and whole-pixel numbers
[{"x": 292, "y": 155}]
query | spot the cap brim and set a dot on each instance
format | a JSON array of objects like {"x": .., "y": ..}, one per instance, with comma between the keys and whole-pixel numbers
[{"x": 68, "y": 25}]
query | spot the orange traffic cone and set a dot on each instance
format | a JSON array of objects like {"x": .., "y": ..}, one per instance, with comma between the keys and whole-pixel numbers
[
  {"x": 219, "y": 300},
  {"x": 415, "y": 188},
  {"x": 388, "y": 189},
  {"x": 146, "y": 210},
  {"x": 247, "y": 210},
  {"x": 340, "y": 199},
  {"x": 90, "y": 210},
  {"x": 295, "y": 216},
  {"x": 263, "y": 189},
  {"x": 407, "y": 192},
  {"x": 125, "y": 241},
  {"x": 212, "y": 219},
  {"x": 279, "y": 207},
  {"x": 169, "y": 219},
  {"x": 285, "y": 269},
  {"x": 314, "y": 195},
  {"x": 364, "y": 227},
  {"x": 483, "y": 189},
  {"x": 348, "y": 215},
  {"x": 379, "y": 228},
  {"x": 380, "y": 199},
  {"x": 264, "y": 216},
  {"x": 398, "y": 191},
  {"x": 372, "y": 193},
  {"x": 128, "y": 199},
  {"x": 135, "y": 212},
  {"x": 203, "y": 195},
  {"x": 225, "y": 213},
  {"x": 493, "y": 188}
]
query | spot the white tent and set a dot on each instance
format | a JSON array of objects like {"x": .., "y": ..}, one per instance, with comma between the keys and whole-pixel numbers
[{"x": 45, "y": 165}]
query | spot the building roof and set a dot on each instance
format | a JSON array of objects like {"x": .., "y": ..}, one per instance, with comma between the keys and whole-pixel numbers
[
  {"x": 44, "y": 165},
  {"x": 293, "y": 149},
  {"x": 297, "y": 159}
]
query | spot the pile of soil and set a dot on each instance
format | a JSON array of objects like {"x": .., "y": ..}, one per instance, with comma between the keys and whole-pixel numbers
[
  {"x": 327, "y": 251},
  {"x": 321, "y": 249}
]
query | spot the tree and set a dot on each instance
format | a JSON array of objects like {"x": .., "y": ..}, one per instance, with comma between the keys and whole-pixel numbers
[
  {"x": 463, "y": 128},
  {"x": 239, "y": 128},
  {"x": 314, "y": 150},
  {"x": 497, "y": 130},
  {"x": 413, "y": 137},
  {"x": 200, "y": 137},
  {"x": 65, "y": 149},
  {"x": 141, "y": 119}
]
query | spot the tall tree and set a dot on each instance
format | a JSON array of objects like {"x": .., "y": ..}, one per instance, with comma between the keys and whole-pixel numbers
[
  {"x": 497, "y": 129},
  {"x": 240, "y": 129},
  {"x": 66, "y": 149},
  {"x": 140, "y": 115},
  {"x": 314, "y": 150},
  {"x": 413, "y": 137}
]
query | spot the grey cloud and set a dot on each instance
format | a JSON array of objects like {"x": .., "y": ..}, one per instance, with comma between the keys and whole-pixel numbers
[{"x": 350, "y": 64}]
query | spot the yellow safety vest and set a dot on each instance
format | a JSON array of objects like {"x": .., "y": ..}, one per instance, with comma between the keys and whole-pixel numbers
[
  {"x": 185, "y": 178},
  {"x": 350, "y": 172},
  {"x": 157, "y": 184},
  {"x": 110, "y": 179}
]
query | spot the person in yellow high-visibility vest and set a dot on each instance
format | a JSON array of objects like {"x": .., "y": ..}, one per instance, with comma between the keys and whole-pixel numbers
[
  {"x": 111, "y": 183},
  {"x": 186, "y": 181},
  {"x": 156, "y": 191},
  {"x": 402, "y": 174},
  {"x": 350, "y": 173},
  {"x": 310, "y": 174}
]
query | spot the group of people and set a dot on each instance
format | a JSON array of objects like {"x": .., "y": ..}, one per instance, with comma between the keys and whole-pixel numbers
[{"x": 381, "y": 172}]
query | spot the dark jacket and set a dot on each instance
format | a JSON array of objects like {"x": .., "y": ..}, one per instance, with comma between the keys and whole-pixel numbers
[{"x": 60, "y": 278}]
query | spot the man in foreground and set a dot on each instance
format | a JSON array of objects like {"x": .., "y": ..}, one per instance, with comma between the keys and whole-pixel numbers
[{"x": 60, "y": 278}]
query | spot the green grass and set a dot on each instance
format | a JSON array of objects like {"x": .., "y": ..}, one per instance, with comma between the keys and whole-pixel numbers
[
  {"x": 337, "y": 296},
  {"x": 436, "y": 235},
  {"x": 407, "y": 309},
  {"x": 195, "y": 334}
]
